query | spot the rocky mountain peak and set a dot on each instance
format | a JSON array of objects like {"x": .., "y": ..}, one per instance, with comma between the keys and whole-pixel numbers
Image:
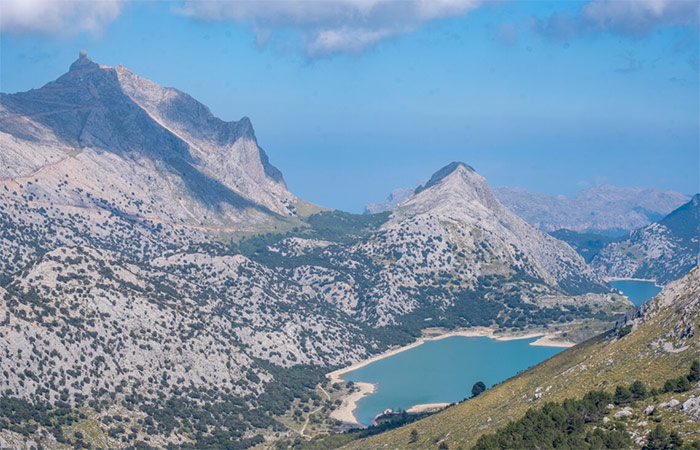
[
  {"x": 457, "y": 198},
  {"x": 455, "y": 186},
  {"x": 83, "y": 63},
  {"x": 450, "y": 169},
  {"x": 113, "y": 117}
]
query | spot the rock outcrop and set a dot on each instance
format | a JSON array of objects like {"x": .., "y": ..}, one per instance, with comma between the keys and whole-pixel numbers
[{"x": 663, "y": 251}]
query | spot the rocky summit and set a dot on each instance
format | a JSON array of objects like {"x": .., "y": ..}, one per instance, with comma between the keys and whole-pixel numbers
[
  {"x": 159, "y": 285},
  {"x": 177, "y": 163}
]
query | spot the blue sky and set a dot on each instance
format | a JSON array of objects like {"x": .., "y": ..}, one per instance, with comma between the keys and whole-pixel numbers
[{"x": 349, "y": 104}]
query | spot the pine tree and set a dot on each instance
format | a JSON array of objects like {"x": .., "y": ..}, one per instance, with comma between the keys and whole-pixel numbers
[
  {"x": 639, "y": 391},
  {"x": 622, "y": 395},
  {"x": 478, "y": 388},
  {"x": 694, "y": 374},
  {"x": 659, "y": 439}
]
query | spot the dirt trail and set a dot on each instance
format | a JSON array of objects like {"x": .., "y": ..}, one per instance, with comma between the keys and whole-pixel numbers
[{"x": 308, "y": 416}]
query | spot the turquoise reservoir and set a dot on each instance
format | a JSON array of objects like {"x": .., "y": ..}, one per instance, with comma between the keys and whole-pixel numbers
[{"x": 442, "y": 371}]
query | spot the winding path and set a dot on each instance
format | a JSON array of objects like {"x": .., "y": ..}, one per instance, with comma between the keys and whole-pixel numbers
[{"x": 310, "y": 413}]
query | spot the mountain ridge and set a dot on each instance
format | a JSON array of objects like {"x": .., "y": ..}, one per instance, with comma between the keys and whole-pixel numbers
[
  {"x": 604, "y": 208},
  {"x": 94, "y": 111},
  {"x": 664, "y": 250}
]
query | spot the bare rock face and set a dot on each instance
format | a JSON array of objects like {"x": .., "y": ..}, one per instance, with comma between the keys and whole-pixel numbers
[
  {"x": 460, "y": 200},
  {"x": 177, "y": 162},
  {"x": 227, "y": 150},
  {"x": 664, "y": 250},
  {"x": 691, "y": 407}
]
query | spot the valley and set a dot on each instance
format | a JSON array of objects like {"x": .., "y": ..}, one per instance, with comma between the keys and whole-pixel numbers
[
  {"x": 160, "y": 287},
  {"x": 659, "y": 342}
]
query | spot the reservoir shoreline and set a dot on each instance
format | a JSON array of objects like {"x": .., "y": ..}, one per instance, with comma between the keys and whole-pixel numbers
[
  {"x": 649, "y": 280},
  {"x": 345, "y": 413}
]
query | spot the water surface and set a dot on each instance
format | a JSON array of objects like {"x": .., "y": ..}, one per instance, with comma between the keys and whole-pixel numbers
[
  {"x": 637, "y": 291},
  {"x": 442, "y": 371}
]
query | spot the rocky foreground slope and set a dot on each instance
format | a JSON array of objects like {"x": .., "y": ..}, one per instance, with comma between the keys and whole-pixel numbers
[
  {"x": 132, "y": 312},
  {"x": 662, "y": 251},
  {"x": 653, "y": 344}
]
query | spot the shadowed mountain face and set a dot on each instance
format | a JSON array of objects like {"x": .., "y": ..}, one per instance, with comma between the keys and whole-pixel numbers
[
  {"x": 111, "y": 118},
  {"x": 663, "y": 251}
]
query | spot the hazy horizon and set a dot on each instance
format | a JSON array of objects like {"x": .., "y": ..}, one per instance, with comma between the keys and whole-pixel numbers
[{"x": 545, "y": 96}]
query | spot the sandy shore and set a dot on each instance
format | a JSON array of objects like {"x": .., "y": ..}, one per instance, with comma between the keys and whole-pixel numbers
[
  {"x": 609, "y": 279},
  {"x": 345, "y": 412},
  {"x": 549, "y": 340},
  {"x": 426, "y": 407}
]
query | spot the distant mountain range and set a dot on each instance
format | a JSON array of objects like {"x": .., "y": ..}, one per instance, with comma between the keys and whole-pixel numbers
[
  {"x": 392, "y": 201},
  {"x": 609, "y": 210},
  {"x": 664, "y": 250},
  {"x": 154, "y": 267}
]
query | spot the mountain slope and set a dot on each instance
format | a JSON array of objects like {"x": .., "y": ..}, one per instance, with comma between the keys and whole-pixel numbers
[
  {"x": 177, "y": 163},
  {"x": 600, "y": 208},
  {"x": 587, "y": 245},
  {"x": 657, "y": 342},
  {"x": 457, "y": 197},
  {"x": 444, "y": 258},
  {"x": 664, "y": 250}
]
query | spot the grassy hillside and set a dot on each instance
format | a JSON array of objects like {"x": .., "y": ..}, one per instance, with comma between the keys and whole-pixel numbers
[{"x": 659, "y": 343}]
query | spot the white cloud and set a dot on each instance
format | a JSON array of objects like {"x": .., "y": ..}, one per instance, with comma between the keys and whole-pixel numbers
[
  {"x": 639, "y": 17},
  {"x": 57, "y": 17},
  {"x": 635, "y": 18},
  {"x": 330, "y": 26}
]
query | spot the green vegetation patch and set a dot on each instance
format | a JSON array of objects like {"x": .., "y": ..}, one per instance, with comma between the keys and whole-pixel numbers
[{"x": 580, "y": 424}]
